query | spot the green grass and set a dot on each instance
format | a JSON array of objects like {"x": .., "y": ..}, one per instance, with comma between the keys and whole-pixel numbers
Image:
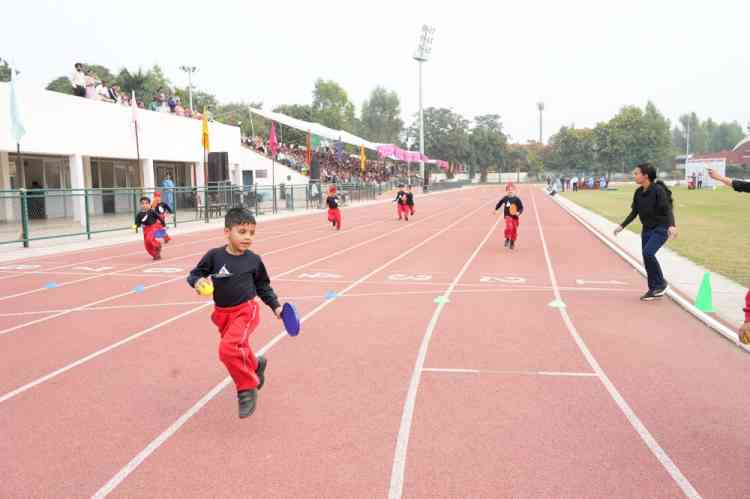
[{"x": 713, "y": 225}]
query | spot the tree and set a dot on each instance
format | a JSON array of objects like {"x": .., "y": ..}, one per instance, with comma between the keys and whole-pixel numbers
[
  {"x": 145, "y": 85},
  {"x": 238, "y": 114},
  {"x": 488, "y": 143},
  {"x": 4, "y": 70},
  {"x": 61, "y": 84},
  {"x": 634, "y": 136},
  {"x": 381, "y": 121},
  {"x": 299, "y": 111},
  {"x": 446, "y": 135},
  {"x": 572, "y": 149},
  {"x": 331, "y": 106}
]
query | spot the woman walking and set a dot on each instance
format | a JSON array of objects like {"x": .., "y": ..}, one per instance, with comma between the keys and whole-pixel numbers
[{"x": 652, "y": 203}]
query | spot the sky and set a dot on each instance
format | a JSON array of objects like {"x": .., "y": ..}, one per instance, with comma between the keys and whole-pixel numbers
[{"x": 584, "y": 59}]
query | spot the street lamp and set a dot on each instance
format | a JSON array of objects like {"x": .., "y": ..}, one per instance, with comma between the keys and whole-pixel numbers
[
  {"x": 422, "y": 54},
  {"x": 190, "y": 70},
  {"x": 540, "y": 107}
]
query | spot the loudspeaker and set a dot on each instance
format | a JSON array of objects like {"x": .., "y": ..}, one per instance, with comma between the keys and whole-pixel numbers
[
  {"x": 218, "y": 166},
  {"x": 315, "y": 167}
]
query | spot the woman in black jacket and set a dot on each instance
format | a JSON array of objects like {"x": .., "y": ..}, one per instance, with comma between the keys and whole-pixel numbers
[{"x": 652, "y": 203}]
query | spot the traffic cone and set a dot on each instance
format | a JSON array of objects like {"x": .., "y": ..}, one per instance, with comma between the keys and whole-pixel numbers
[{"x": 704, "y": 301}]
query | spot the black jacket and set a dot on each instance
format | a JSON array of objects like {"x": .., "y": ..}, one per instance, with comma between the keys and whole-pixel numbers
[{"x": 652, "y": 206}]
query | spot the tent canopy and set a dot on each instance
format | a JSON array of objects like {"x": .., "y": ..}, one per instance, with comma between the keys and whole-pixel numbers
[{"x": 384, "y": 150}]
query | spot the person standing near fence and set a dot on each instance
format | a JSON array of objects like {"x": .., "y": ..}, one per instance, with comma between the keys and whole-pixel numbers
[
  {"x": 739, "y": 186},
  {"x": 652, "y": 203},
  {"x": 168, "y": 185}
]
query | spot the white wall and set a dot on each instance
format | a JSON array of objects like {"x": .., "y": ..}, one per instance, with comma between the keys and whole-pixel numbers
[
  {"x": 250, "y": 160},
  {"x": 65, "y": 125}
]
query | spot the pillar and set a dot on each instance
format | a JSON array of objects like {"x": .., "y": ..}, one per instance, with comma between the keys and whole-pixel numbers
[
  {"x": 147, "y": 169},
  {"x": 78, "y": 181}
]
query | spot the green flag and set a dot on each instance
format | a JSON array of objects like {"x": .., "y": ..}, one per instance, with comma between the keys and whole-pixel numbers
[{"x": 17, "y": 130}]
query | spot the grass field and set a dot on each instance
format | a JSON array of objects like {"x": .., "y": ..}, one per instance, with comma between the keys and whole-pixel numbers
[{"x": 713, "y": 225}]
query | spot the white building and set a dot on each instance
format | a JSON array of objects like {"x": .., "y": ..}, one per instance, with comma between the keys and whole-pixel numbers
[{"x": 73, "y": 142}]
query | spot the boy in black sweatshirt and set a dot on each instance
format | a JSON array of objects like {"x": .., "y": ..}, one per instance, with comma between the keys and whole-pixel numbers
[
  {"x": 238, "y": 277},
  {"x": 149, "y": 219},
  {"x": 512, "y": 209},
  {"x": 410, "y": 200}
]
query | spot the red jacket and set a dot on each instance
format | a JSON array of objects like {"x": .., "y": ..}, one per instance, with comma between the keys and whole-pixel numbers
[{"x": 747, "y": 307}]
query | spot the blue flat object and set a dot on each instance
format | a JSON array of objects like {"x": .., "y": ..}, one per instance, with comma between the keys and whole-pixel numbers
[
  {"x": 291, "y": 319},
  {"x": 161, "y": 233}
]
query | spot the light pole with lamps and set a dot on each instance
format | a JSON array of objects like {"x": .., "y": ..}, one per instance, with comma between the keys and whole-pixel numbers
[
  {"x": 540, "y": 107},
  {"x": 190, "y": 70},
  {"x": 421, "y": 55}
]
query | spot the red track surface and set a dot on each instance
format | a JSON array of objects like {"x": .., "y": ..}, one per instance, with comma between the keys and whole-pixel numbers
[{"x": 507, "y": 404}]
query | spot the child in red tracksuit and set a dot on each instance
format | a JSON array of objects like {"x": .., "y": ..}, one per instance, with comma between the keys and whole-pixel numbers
[
  {"x": 161, "y": 208},
  {"x": 410, "y": 200},
  {"x": 512, "y": 209},
  {"x": 149, "y": 219},
  {"x": 402, "y": 207},
  {"x": 238, "y": 276},
  {"x": 334, "y": 213}
]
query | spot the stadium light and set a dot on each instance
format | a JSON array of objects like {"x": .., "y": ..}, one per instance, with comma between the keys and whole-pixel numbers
[
  {"x": 190, "y": 70},
  {"x": 422, "y": 54}
]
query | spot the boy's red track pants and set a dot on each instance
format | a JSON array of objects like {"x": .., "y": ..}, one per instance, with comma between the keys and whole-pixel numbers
[
  {"x": 153, "y": 247},
  {"x": 236, "y": 324},
  {"x": 511, "y": 228}
]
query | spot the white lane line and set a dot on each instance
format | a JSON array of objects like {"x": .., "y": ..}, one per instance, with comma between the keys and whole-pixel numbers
[
  {"x": 402, "y": 441},
  {"x": 180, "y": 277},
  {"x": 526, "y": 373},
  {"x": 669, "y": 465},
  {"x": 133, "y": 464},
  {"x": 78, "y": 362},
  {"x": 96, "y": 354}
]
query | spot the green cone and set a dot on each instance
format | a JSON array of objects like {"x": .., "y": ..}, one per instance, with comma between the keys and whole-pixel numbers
[{"x": 704, "y": 301}]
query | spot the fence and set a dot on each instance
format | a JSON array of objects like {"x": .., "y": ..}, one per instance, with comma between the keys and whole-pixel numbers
[{"x": 39, "y": 214}]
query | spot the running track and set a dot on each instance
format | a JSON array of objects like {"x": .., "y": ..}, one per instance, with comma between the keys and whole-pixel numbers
[{"x": 438, "y": 370}]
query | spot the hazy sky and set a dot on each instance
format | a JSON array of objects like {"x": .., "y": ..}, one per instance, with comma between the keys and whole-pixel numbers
[{"x": 584, "y": 59}]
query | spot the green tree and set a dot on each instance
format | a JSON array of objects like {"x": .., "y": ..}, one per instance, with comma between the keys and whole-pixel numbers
[
  {"x": 573, "y": 149},
  {"x": 488, "y": 144},
  {"x": 331, "y": 106},
  {"x": 446, "y": 135},
  {"x": 4, "y": 70},
  {"x": 61, "y": 84},
  {"x": 146, "y": 85},
  {"x": 201, "y": 100},
  {"x": 299, "y": 111},
  {"x": 101, "y": 72},
  {"x": 381, "y": 121},
  {"x": 238, "y": 114}
]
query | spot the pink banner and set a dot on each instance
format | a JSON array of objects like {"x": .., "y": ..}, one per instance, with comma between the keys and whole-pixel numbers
[{"x": 391, "y": 151}]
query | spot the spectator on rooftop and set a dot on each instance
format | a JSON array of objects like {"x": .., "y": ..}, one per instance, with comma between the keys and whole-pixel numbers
[{"x": 78, "y": 81}]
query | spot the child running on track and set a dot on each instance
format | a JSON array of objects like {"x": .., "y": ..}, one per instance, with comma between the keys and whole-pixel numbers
[
  {"x": 402, "y": 208},
  {"x": 149, "y": 219},
  {"x": 334, "y": 214},
  {"x": 512, "y": 209},
  {"x": 410, "y": 200},
  {"x": 161, "y": 210},
  {"x": 238, "y": 276}
]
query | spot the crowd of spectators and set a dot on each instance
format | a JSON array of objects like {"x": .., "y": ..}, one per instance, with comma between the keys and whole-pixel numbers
[
  {"x": 343, "y": 167},
  {"x": 86, "y": 83}
]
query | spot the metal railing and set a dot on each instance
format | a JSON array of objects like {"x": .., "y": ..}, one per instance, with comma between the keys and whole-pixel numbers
[{"x": 39, "y": 214}]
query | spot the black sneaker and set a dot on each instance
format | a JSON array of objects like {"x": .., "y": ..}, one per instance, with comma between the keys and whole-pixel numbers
[
  {"x": 247, "y": 400},
  {"x": 661, "y": 291},
  {"x": 512, "y": 244},
  {"x": 261, "y": 371},
  {"x": 507, "y": 243},
  {"x": 649, "y": 296}
]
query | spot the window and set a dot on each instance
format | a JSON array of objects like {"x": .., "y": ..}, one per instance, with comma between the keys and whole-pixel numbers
[{"x": 261, "y": 173}]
